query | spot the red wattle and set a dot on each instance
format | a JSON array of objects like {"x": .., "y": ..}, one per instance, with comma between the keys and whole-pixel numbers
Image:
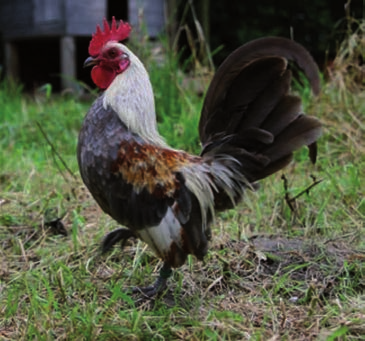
[{"x": 102, "y": 76}]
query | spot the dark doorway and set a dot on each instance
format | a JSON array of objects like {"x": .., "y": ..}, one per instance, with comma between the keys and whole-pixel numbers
[
  {"x": 118, "y": 9},
  {"x": 39, "y": 62}
]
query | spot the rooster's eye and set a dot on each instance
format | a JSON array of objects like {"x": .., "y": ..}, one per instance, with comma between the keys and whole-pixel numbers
[{"x": 112, "y": 53}]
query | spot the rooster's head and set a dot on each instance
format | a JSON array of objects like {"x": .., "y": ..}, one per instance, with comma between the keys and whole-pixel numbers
[{"x": 109, "y": 57}]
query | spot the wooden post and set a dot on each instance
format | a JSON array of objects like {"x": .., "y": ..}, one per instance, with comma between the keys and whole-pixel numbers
[
  {"x": 68, "y": 63},
  {"x": 11, "y": 61}
]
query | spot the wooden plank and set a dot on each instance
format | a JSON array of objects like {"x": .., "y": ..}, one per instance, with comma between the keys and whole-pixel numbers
[
  {"x": 83, "y": 15},
  {"x": 15, "y": 14},
  {"x": 44, "y": 30},
  {"x": 46, "y": 18},
  {"x": 47, "y": 11}
]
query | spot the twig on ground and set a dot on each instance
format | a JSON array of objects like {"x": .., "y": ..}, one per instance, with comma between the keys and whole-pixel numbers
[{"x": 56, "y": 153}]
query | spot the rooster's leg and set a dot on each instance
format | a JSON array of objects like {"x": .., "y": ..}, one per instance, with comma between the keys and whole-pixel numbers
[
  {"x": 160, "y": 284},
  {"x": 114, "y": 237}
]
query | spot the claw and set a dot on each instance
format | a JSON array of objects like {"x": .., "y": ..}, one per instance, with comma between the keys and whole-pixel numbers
[
  {"x": 115, "y": 236},
  {"x": 159, "y": 286},
  {"x": 152, "y": 290}
]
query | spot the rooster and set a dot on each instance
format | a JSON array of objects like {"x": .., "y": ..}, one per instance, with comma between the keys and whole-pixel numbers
[{"x": 250, "y": 125}]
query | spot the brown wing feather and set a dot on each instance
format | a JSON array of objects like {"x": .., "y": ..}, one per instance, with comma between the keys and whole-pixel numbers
[{"x": 150, "y": 167}]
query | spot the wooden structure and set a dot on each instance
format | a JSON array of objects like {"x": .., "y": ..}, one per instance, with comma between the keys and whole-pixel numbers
[{"x": 49, "y": 38}]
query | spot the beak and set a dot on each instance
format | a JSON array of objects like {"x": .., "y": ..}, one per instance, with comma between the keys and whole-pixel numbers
[{"x": 90, "y": 61}]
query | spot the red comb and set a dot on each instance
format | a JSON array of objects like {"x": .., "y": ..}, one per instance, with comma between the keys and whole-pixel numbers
[{"x": 99, "y": 38}]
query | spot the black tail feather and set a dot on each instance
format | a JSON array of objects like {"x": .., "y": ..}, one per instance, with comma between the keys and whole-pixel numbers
[
  {"x": 228, "y": 74},
  {"x": 115, "y": 236},
  {"x": 249, "y": 112}
]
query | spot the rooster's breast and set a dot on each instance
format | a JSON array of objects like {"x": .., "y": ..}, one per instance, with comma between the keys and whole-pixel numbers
[{"x": 100, "y": 139}]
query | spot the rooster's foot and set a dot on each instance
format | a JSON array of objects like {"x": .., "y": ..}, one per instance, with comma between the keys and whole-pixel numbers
[
  {"x": 159, "y": 286},
  {"x": 115, "y": 236}
]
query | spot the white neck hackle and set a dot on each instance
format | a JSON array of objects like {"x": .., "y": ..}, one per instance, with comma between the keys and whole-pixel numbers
[{"x": 131, "y": 96}]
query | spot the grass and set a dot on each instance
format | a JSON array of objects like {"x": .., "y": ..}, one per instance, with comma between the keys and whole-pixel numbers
[{"x": 270, "y": 274}]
